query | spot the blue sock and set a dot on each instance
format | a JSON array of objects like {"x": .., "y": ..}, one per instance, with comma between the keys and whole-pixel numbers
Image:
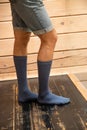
[
  {"x": 45, "y": 96},
  {"x": 24, "y": 94}
]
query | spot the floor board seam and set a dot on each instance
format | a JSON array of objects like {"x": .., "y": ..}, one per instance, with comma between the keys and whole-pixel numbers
[{"x": 78, "y": 85}]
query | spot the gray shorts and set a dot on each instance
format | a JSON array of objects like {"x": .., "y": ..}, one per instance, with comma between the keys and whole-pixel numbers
[{"x": 30, "y": 16}]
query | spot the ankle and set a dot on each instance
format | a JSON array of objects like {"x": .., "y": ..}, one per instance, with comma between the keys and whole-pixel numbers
[{"x": 43, "y": 95}]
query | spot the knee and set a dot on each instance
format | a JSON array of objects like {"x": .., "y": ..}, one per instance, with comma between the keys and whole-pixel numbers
[
  {"x": 54, "y": 38},
  {"x": 49, "y": 40},
  {"x": 21, "y": 42},
  {"x": 20, "y": 45},
  {"x": 21, "y": 38}
]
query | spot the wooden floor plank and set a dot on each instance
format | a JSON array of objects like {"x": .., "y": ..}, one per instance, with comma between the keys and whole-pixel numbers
[
  {"x": 84, "y": 83},
  {"x": 79, "y": 85},
  {"x": 34, "y": 116},
  {"x": 81, "y": 76},
  {"x": 7, "y": 106}
]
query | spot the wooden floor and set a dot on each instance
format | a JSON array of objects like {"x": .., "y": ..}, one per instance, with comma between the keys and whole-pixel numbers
[
  {"x": 36, "y": 117},
  {"x": 82, "y": 78}
]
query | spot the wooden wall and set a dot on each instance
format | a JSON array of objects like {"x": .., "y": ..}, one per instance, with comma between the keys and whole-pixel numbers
[{"x": 70, "y": 20}]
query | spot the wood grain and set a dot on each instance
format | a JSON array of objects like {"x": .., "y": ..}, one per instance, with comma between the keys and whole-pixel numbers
[
  {"x": 70, "y": 41},
  {"x": 60, "y": 60},
  {"x": 79, "y": 86},
  {"x": 43, "y": 117},
  {"x": 55, "y": 71},
  {"x": 70, "y": 20},
  {"x": 61, "y": 8},
  {"x": 63, "y": 25}
]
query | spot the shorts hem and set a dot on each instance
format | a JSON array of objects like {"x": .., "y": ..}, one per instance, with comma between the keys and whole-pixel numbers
[
  {"x": 42, "y": 31},
  {"x": 38, "y": 32},
  {"x": 24, "y": 29}
]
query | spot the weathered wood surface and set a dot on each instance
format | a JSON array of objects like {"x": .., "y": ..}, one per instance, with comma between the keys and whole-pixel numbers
[
  {"x": 79, "y": 85},
  {"x": 62, "y": 7},
  {"x": 82, "y": 78},
  {"x": 69, "y": 19},
  {"x": 60, "y": 59},
  {"x": 34, "y": 116},
  {"x": 7, "y": 108},
  {"x": 72, "y": 41},
  {"x": 69, "y": 24}
]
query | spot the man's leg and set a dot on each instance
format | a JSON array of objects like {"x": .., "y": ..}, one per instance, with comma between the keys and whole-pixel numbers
[
  {"x": 48, "y": 41},
  {"x": 35, "y": 18},
  {"x": 20, "y": 61}
]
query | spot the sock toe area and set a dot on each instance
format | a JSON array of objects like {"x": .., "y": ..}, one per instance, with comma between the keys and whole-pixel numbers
[{"x": 53, "y": 99}]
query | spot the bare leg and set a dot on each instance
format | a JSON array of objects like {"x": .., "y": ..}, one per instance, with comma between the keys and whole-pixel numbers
[
  {"x": 45, "y": 56},
  {"x": 20, "y": 60},
  {"x": 21, "y": 41},
  {"x": 48, "y": 42}
]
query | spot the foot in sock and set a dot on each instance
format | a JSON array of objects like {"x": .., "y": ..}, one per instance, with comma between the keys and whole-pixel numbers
[
  {"x": 27, "y": 96},
  {"x": 45, "y": 96},
  {"x": 52, "y": 99}
]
